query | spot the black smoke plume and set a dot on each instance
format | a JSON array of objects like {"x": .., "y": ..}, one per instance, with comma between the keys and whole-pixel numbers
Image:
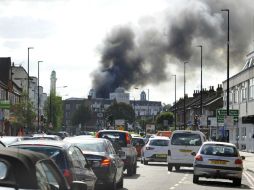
[{"x": 132, "y": 58}]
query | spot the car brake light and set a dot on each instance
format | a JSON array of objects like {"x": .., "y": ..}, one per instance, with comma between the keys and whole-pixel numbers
[
  {"x": 128, "y": 140},
  {"x": 67, "y": 174},
  {"x": 105, "y": 162},
  {"x": 149, "y": 148},
  {"x": 199, "y": 158},
  {"x": 238, "y": 161}
]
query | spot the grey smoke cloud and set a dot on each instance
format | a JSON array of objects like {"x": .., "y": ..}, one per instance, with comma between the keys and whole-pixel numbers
[{"x": 131, "y": 58}]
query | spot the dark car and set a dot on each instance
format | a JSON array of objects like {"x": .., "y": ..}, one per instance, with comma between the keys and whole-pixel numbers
[
  {"x": 24, "y": 169},
  {"x": 121, "y": 140},
  {"x": 106, "y": 163},
  {"x": 68, "y": 157},
  {"x": 138, "y": 143}
]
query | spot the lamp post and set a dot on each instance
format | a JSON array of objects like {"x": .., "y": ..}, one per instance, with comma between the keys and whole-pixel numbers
[
  {"x": 28, "y": 81},
  {"x": 227, "y": 10},
  {"x": 201, "y": 80},
  {"x": 175, "y": 100},
  {"x": 38, "y": 96},
  {"x": 184, "y": 108}
]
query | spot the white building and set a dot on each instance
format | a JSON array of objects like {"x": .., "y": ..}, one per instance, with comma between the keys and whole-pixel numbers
[
  {"x": 120, "y": 95},
  {"x": 241, "y": 97}
]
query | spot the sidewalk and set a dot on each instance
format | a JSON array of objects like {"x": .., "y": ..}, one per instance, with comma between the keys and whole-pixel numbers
[{"x": 248, "y": 163}]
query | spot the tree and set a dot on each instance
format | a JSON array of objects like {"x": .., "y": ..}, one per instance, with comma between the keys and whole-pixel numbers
[
  {"x": 166, "y": 107},
  {"x": 54, "y": 111},
  {"x": 24, "y": 113},
  {"x": 162, "y": 117},
  {"x": 82, "y": 115},
  {"x": 119, "y": 111}
]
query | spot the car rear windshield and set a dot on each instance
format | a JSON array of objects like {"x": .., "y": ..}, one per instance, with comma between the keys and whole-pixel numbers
[
  {"x": 219, "y": 150},
  {"x": 115, "y": 137},
  {"x": 93, "y": 146},
  {"x": 186, "y": 139},
  {"x": 158, "y": 142},
  {"x": 56, "y": 154}
]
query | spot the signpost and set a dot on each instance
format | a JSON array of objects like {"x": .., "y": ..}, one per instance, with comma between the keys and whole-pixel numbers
[{"x": 222, "y": 113}]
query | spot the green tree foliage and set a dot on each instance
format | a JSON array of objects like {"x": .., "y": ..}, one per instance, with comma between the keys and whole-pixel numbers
[
  {"x": 24, "y": 113},
  {"x": 119, "y": 111},
  {"x": 166, "y": 107},
  {"x": 169, "y": 116},
  {"x": 82, "y": 115},
  {"x": 54, "y": 111}
]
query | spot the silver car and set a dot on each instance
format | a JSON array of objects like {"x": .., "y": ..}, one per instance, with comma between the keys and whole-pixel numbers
[{"x": 218, "y": 160}]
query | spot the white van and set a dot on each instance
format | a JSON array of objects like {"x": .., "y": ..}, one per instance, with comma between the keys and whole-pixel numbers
[{"x": 182, "y": 144}]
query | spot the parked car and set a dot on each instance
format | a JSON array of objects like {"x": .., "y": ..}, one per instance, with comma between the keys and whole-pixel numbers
[
  {"x": 138, "y": 143},
  {"x": 122, "y": 140},
  {"x": 7, "y": 140},
  {"x": 218, "y": 160},
  {"x": 24, "y": 169},
  {"x": 155, "y": 150},
  {"x": 106, "y": 163},
  {"x": 68, "y": 157},
  {"x": 181, "y": 146}
]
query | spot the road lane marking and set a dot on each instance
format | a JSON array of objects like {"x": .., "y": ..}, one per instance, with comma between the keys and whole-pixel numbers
[
  {"x": 176, "y": 185},
  {"x": 249, "y": 178},
  {"x": 169, "y": 172},
  {"x": 172, "y": 188}
]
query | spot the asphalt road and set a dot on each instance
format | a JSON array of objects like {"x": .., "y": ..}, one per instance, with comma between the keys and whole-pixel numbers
[{"x": 156, "y": 177}]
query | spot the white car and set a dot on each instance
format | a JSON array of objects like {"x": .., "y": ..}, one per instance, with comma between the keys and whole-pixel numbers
[
  {"x": 218, "y": 160},
  {"x": 155, "y": 150}
]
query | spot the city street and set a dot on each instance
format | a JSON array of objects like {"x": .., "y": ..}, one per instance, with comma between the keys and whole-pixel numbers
[{"x": 156, "y": 177}]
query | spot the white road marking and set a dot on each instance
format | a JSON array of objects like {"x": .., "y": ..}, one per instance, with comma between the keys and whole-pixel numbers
[
  {"x": 172, "y": 188},
  {"x": 176, "y": 185},
  {"x": 169, "y": 172},
  {"x": 249, "y": 178}
]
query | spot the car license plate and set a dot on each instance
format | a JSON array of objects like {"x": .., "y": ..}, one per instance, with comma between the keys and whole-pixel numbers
[
  {"x": 161, "y": 155},
  {"x": 184, "y": 150},
  {"x": 221, "y": 162}
]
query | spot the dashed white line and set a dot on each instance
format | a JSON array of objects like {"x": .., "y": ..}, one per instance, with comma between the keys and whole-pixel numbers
[
  {"x": 249, "y": 178},
  {"x": 172, "y": 188}
]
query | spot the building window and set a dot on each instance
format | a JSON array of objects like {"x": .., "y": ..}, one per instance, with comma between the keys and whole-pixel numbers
[
  {"x": 251, "y": 89},
  {"x": 236, "y": 96},
  {"x": 230, "y": 97},
  {"x": 77, "y": 106},
  {"x": 67, "y": 106},
  {"x": 244, "y": 91}
]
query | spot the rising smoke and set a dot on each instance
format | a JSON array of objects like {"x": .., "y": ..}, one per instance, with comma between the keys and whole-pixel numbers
[{"x": 130, "y": 58}]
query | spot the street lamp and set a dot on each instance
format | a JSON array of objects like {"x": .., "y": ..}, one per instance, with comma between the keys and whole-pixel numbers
[
  {"x": 38, "y": 96},
  {"x": 184, "y": 108},
  {"x": 175, "y": 100},
  {"x": 227, "y": 10},
  {"x": 28, "y": 49},
  {"x": 201, "y": 81}
]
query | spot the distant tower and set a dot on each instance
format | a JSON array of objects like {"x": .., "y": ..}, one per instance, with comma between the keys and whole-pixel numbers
[
  {"x": 53, "y": 82},
  {"x": 143, "y": 96}
]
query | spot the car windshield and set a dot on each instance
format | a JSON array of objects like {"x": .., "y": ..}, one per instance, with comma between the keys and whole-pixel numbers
[
  {"x": 115, "y": 137},
  {"x": 93, "y": 146},
  {"x": 158, "y": 142},
  {"x": 54, "y": 153},
  {"x": 186, "y": 139},
  {"x": 219, "y": 150}
]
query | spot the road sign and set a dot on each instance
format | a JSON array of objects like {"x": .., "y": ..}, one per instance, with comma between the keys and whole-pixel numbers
[{"x": 222, "y": 113}]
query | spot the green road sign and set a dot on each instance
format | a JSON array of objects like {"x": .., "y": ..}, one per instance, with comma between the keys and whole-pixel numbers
[
  {"x": 5, "y": 104},
  {"x": 222, "y": 113}
]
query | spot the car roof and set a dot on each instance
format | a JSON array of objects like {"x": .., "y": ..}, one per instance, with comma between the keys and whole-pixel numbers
[
  {"x": 219, "y": 143},
  {"x": 187, "y": 131},
  {"x": 59, "y": 144},
  {"x": 120, "y": 131},
  {"x": 159, "y": 137},
  {"x": 80, "y": 140}
]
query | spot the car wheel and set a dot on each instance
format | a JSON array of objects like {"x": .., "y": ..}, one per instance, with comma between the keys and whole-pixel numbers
[
  {"x": 113, "y": 185},
  {"x": 195, "y": 178},
  {"x": 237, "y": 182},
  {"x": 145, "y": 162},
  {"x": 177, "y": 168},
  {"x": 170, "y": 167},
  {"x": 120, "y": 183}
]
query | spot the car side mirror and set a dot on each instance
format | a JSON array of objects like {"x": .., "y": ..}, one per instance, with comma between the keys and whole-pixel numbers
[
  {"x": 243, "y": 157},
  {"x": 193, "y": 153},
  {"x": 78, "y": 185}
]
